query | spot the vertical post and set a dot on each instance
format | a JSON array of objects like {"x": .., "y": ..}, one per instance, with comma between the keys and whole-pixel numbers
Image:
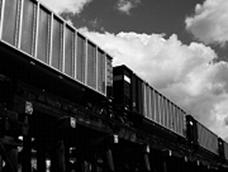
[
  {"x": 110, "y": 160},
  {"x": 86, "y": 61},
  {"x": 27, "y": 143},
  {"x": 41, "y": 164},
  {"x": 147, "y": 162},
  {"x": 13, "y": 154},
  {"x": 2, "y": 17},
  {"x": 20, "y": 24},
  {"x": 106, "y": 74},
  {"x": 36, "y": 36},
  {"x": 26, "y": 160},
  {"x": 58, "y": 157},
  {"x": 75, "y": 54},
  {"x": 51, "y": 39},
  {"x": 165, "y": 168},
  {"x": 1, "y": 163},
  {"x": 97, "y": 78},
  {"x": 64, "y": 47},
  {"x": 10, "y": 154},
  {"x": 67, "y": 157}
]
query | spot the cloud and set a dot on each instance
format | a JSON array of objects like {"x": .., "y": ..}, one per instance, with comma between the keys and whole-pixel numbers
[
  {"x": 125, "y": 6},
  {"x": 66, "y": 6},
  {"x": 209, "y": 22},
  {"x": 187, "y": 74}
]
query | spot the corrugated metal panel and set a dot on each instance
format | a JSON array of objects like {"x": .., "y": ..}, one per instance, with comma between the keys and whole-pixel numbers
[
  {"x": 183, "y": 123},
  {"x": 175, "y": 119},
  {"x": 158, "y": 108},
  {"x": 149, "y": 101},
  {"x": 43, "y": 35},
  {"x": 149, "y": 90},
  {"x": 91, "y": 65},
  {"x": 169, "y": 114},
  {"x": 10, "y": 23},
  {"x": 101, "y": 71},
  {"x": 140, "y": 98},
  {"x": 28, "y": 26},
  {"x": 161, "y": 109},
  {"x": 153, "y": 107},
  {"x": 57, "y": 44},
  {"x": 31, "y": 27},
  {"x": 109, "y": 75},
  {"x": 164, "y": 111},
  {"x": 1, "y": 9},
  {"x": 69, "y": 51},
  {"x": 81, "y": 56},
  {"x": 207, "y": 139},
  {"x": 156, "y": 103},
  {"x": 226, "y": 150},
  {"x": 145, "y": 112},
  {"x": 178, "y": 129}
]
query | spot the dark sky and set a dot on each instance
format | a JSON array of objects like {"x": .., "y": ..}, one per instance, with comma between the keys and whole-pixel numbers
[{"x": 150, "y": 16}]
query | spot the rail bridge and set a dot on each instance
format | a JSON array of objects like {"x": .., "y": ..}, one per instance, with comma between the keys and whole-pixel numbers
[{"x": 64, "y": 109}]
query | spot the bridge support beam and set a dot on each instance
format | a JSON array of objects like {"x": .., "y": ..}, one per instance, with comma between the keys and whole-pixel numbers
[
  {"x": 26, "y": 158},
  {"x": 165, "y": 166},
  {"x": 58, "y": 157},
  {"x": 1, "y": 161},
  {"x": 147, "y": 162},
  {"x": 111, "y": 165},
  {"x": 41, "y": 160}
]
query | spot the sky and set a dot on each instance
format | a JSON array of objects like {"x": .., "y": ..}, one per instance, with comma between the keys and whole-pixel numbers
[{"x": 179, "y": 47}]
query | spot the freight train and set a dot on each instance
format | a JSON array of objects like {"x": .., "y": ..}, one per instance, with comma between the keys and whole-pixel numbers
[
  {"x": 137, "y": 97},
  {"x": 63, "y": 107}
]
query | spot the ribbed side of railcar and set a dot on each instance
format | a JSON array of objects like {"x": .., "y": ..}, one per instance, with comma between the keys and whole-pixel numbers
[
  {"x": 226, "y": 150},
  {"x": 33, "y": 29},
  {"x": 131, "y": 92},
  {"x": 162, "y": 111},
  {"x": 207, "y": 139}
]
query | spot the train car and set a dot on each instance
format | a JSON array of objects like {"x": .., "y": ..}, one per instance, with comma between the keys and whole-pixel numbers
[
  {"x": 198, "y": 134},
  {"x": 136, "y": 95},
  {"x": 207, "y": 139},
  {"x": 47, "y": 39},
  {"x": 49, "y": 74},
  {"x": 226, "y": 150}
]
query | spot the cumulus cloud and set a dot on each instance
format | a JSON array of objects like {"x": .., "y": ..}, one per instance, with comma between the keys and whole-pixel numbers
[
  {"x": 187, "y": 74},
  {"x": 125, "y": 6},
  {"x": 209, "y": 22},
  {"x": 66, "y": 6}
]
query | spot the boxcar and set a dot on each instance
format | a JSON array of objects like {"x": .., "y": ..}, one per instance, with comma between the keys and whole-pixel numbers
[
  {"x": 136, "y": 95},
  {"x": 207, "y": 139},
  {"x": 46, "y": 38},
  {"x": 226, "y": 150}
]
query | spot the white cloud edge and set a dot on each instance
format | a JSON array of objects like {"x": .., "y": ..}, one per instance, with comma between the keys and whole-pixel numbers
[
  {"x": 125, "y": 6},
  {"x": 209, "y": 22},
  {"x": 185, "y": 73}
]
